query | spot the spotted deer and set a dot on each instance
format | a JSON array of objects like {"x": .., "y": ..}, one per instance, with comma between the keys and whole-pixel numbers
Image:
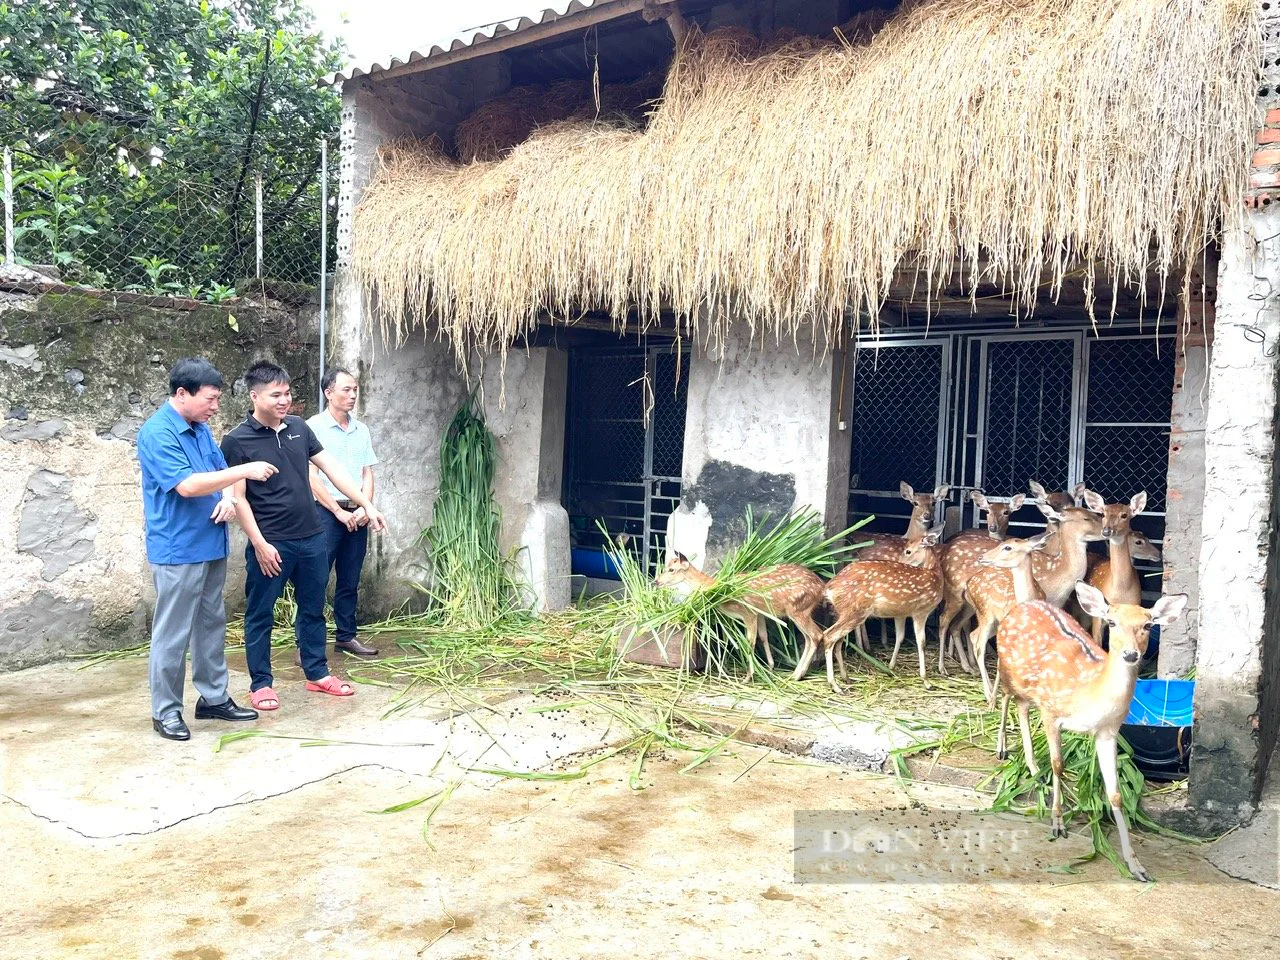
[
  {"x": 1047, "y": 660},
  {"x": 888, "y": 546},
  {"x": 960, "y": 557},
  {"x": 1003, "y": 580},
  {"x": 1059, "y": 500},
  {"x": 1116, "y": 576},
  {"x": 907, "y": 588},
  {"x": 787, "y": 590}
]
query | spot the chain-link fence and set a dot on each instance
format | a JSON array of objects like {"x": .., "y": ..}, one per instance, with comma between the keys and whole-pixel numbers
[{"x": 169, "y": 222}]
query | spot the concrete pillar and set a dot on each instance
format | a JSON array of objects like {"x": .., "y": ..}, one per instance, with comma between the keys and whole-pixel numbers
[
  {"x": 761, "y": 431},
  {"x": 524, "y": 405},
  {"x": 1238, "y": 574},
  {"x": 410, "y": 391},
  {"x": 1185, "y": 485}
]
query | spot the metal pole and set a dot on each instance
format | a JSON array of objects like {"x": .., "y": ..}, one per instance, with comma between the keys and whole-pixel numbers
[
  {"x": 324, "y": 252},
  {"x": 257, "y": 225},
  {"x": 8, "y": 207}
]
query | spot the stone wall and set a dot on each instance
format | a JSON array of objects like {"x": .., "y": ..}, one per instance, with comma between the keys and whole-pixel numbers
[{"x": 78, "y": 377}]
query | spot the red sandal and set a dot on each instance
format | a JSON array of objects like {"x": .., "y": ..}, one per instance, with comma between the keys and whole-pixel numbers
[
  {"x": 260, "y": 698},
  {"x": 332, "y": 686}
]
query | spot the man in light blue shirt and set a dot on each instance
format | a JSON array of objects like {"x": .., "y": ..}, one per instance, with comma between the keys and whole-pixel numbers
[
  {"x": 187, "y": 500},
  {"x": 345, "y": 523}
]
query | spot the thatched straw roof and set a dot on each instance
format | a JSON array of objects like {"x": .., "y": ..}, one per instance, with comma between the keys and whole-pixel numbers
[{"x": 1009, "y": 139}]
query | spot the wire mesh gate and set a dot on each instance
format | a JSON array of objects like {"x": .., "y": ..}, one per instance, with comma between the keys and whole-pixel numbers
[
  {"x": 995, "y": 409},
  {"x": 623, "y": 468}
]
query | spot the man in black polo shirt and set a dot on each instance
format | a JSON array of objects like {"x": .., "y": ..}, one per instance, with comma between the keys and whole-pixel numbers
[{"x": 286, "y": 542}]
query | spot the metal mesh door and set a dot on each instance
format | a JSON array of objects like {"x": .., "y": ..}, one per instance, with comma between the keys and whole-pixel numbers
[
  {"x": 1028, "y": 390},
  {"x": 899, "y": 394},
  {"x": 620, "y": 472}
]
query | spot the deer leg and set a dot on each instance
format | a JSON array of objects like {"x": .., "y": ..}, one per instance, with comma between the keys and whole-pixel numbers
[
  {"x": 978, "y": 641},
  {"x": 917, "y": 627},
  {"x": 1029, "y": 751},
  {"x": 844, "y": 674},
  {"x": 762, "y": 625},
  {"x": 831, "y": 676},
  {"x": 750, "y": 621},
  {"x": 900, "y": 625},
  {"x": 959, "y": 641},
  {"x": 1055, "y": 762},
  {"x": 942, "y": 654},
  {"x": 1106, "y": 749},
  {"x": 1002, "y": 748},
  {"x": 864, "y": 643},
  {"x": 809, "y": 629}
]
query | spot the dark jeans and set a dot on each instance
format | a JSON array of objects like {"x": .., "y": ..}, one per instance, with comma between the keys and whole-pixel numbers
[
  {"x": 346, "y": 555},
  {"x": 304, "y": 563}
]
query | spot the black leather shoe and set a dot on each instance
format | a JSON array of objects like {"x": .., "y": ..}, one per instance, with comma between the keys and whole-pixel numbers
[
  {"x": 172, "y": 727},
  {"x": 223, "y": 711},
  {"x": 356, "y": 647}
]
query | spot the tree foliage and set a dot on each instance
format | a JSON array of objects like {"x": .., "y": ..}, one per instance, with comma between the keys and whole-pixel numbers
[{"x": 139, "y": 126}]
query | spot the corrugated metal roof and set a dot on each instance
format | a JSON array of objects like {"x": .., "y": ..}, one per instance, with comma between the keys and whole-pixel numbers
[{"x": 472, "y": 38}]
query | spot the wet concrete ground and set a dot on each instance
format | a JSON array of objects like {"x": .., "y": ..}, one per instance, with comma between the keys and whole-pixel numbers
[{"x": 119, "y": 844}]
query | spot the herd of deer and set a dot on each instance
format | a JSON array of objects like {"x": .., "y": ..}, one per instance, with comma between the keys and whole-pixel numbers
[{"x": 1018, "y": 590}]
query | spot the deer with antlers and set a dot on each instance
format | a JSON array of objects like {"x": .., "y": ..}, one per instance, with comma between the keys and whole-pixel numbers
[
  {"x": 960, "y": 561},
  {"x": 908, "y": 588},
  {"x": 787, "y": 590},
  {"x": 1047, "y": 660}
]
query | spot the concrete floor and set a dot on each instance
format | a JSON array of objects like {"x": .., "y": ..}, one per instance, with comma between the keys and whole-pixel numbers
[{"x": 119, "y": 844}]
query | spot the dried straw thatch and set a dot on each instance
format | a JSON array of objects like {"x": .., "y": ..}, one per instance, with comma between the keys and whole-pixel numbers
[{"x": 784, "y": 185}]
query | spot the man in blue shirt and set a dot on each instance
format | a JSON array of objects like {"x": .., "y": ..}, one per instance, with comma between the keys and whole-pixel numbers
[{"x": 187, "y": 500}]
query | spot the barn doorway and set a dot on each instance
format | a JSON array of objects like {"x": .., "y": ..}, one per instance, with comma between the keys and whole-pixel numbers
[{"x": 624, "y": 452}]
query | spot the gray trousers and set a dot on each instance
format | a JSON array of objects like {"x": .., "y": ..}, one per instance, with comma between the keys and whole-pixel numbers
[{"x": 189, "y": 613}]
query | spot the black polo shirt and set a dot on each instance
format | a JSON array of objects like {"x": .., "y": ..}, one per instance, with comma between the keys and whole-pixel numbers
[{"x": 283, "y": 505}]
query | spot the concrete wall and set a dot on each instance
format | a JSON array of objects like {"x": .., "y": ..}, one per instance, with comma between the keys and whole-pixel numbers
[
  {"x": 524, "y": 404},
  {"x": 1185, "y": 497},
  {"x": 760, "y": 432},
  {"x": 78, "y": 377}
]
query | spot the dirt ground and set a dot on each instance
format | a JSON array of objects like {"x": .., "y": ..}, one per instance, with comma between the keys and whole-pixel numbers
[{"x": 121, "y": 845}]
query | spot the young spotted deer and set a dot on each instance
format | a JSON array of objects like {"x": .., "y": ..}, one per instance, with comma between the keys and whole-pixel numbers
[
  {"x": 960, "y": 557},
  {"x": 1004, "y": 580},
  {"x": 1116, "y": 576},
  {"x": 909, "y": 588},
  {"x": 1055, "y": 574},
  {"x": 888, "y": 546},
  {"x": 1047, "y": 659},
  {"x": 788, "y": 590}
]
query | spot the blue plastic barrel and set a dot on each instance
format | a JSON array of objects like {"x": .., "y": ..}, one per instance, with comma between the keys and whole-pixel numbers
[{"x": 593, "y": 562}]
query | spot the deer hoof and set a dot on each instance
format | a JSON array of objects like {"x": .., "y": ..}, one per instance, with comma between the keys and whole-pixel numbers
[
  {"x": 1002, "y": 755},
  {"x": 1059, "y": 831},
  {"x": 1139, "y": 874}
]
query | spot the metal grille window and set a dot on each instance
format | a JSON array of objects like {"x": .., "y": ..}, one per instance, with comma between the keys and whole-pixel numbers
[
  {"x": 621, "y": 471},
  {"x": 1027, "y": 395}
]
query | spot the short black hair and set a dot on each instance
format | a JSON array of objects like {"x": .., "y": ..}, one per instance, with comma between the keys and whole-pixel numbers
[
  {"x": 331, "y": 377},
  {"x": 193, "y": 373},
  {"x": 265, "y": 372}
]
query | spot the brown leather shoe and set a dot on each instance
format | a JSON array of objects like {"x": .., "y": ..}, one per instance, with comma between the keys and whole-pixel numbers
[{"x": 356, "y": 647}]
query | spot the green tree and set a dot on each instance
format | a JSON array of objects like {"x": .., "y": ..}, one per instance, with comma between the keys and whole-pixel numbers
[{"x": 138, "y": 128}]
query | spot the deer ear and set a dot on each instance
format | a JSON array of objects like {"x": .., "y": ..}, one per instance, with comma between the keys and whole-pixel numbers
[
  {"x": 1040, "y": 542},
  {"x": 1091, "y": 600},
  {"x": 1037, "y": 490},
  {"x": 1138, "y": 503},
  {"x": 931, "y": 538},
  {"x": 1094, "y": 501},
  {"x": 977, "y": 497},
  {"x": 942, "y": 491},
  {"x": 904, "y": 489},
  {"x": 1079, "y": 490},
  {"x": 680, "y": 557},
  {"x": 1168, "y": 609},
  {"x": 1051, "y": 513},
  {"x": 1016, "y": 503}
]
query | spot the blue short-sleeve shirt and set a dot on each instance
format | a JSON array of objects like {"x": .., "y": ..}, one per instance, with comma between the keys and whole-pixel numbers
[{"x": 179, "y": 529}]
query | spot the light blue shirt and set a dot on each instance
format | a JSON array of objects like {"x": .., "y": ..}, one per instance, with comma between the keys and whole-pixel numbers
[{"x": 352, "y": 447}]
